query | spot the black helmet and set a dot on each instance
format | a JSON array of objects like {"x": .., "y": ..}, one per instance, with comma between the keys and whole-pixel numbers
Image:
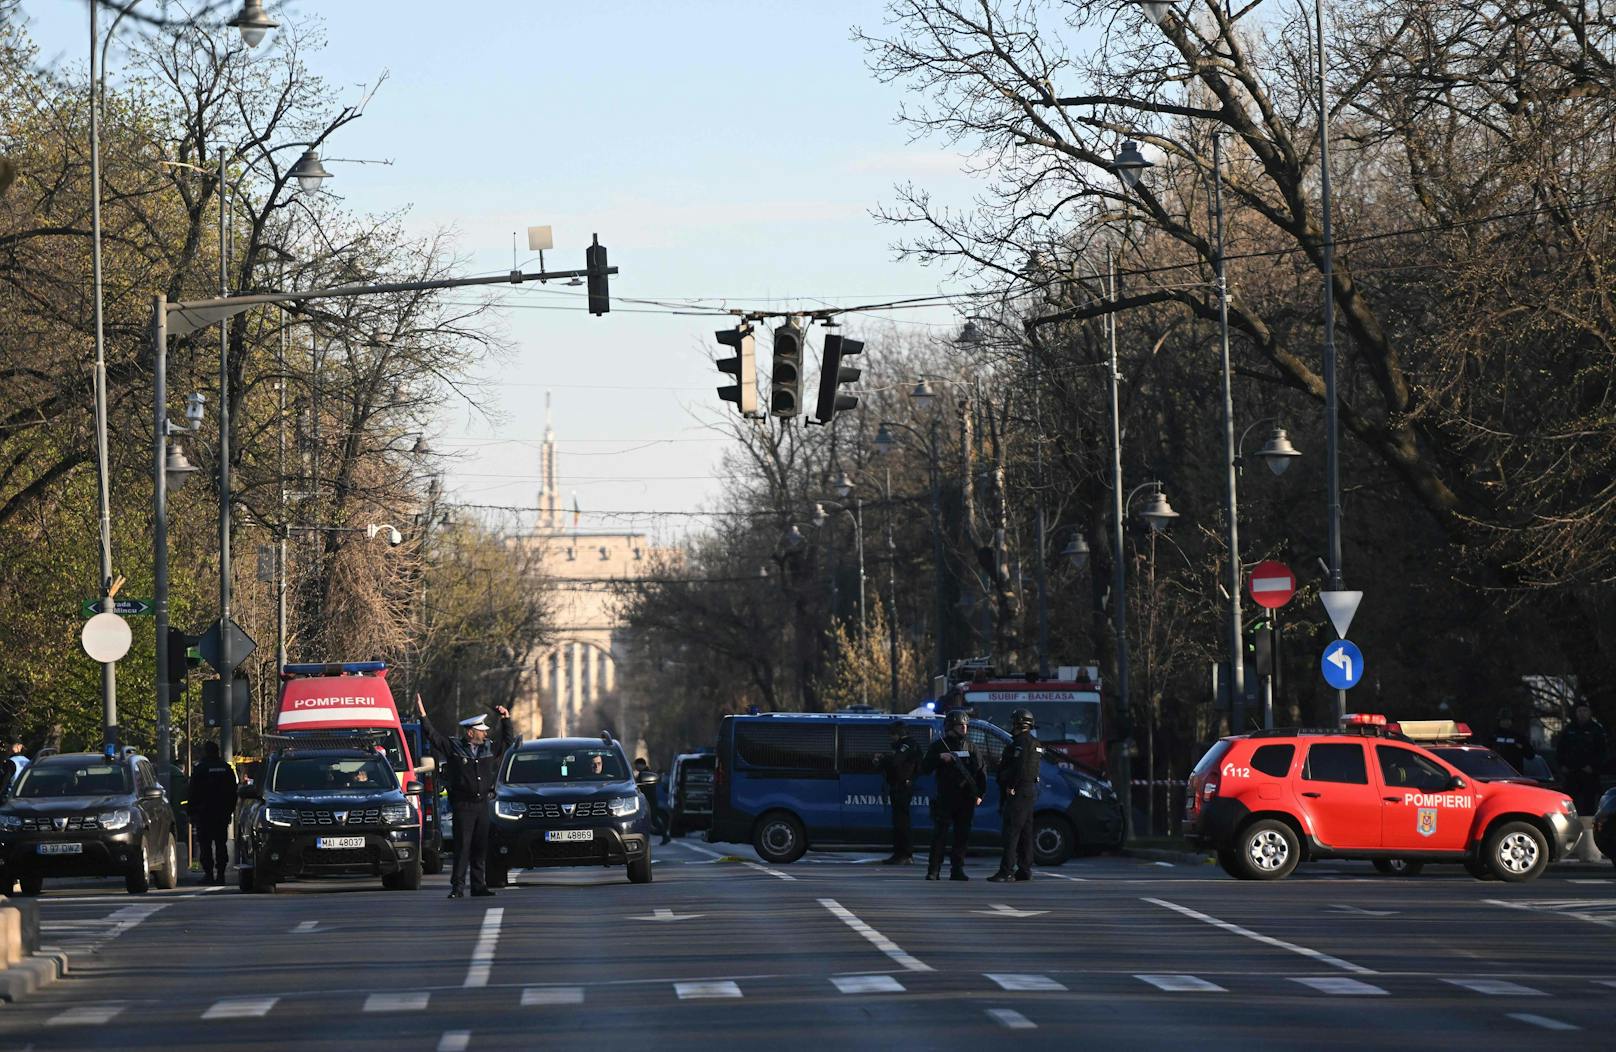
[{"x": 1022, "y": 720}]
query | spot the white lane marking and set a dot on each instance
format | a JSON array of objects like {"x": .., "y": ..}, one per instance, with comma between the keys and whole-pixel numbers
[
  {"x": 867, "y": 984},
  {"x": 879, "y": 941},
  {"x": 454, "y": 1041},
  {"x": 1024, "y": 982},
  {"x": 1340, "y": 985},
  {"x": 1169, "y": 865},
  {"x": 1593, "y": 880},
  {"x": 1000, "y": 909},
  {"x": 1496, "y": 987},
  {"x": 1181, "y": 984},
  {"x": 765, "y": 869},
  {"x": 240, "y": 1008},
  {"x": 1041, "y": 874},
  {"x": 117, "y": 923},
  {"x": 1344, "y": 908},
  {"x": 413, "y": 1001},
  {"x": 1594, "y": 911},
  {"x": 85, "y": 1015},
  {"x": 305, "y": 927},
  {"x": 1011, "y": 1018},
  {"x": 709, "y": 852},
  {"x": 666, "y": 915},
  {"x": 552, "y": 995},
  {"x": 1267, "y": 940},
  {"x": 1543, "y": 1021},
  {"x": 482, "y": 957},
  {"x": 698, "y": 991},
  {"x": 1606, "y": 982}
]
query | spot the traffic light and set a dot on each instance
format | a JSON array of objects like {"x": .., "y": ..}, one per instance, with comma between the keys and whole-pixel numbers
[
  {"x": 595, "y": 262},
  {"x": 743, "y": 392},
  {"x": 832, "y": 374},
  {"x": 785, "y": 381},
  {"x": 182, "y": 657}
]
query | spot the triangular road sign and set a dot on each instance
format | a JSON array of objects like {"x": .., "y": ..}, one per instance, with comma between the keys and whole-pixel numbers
[{"x": 1341, "y": 606}]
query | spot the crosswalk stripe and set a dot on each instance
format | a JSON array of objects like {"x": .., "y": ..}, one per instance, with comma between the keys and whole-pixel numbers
[
  {"x": 1181, "y": 984},
  {"x": 240, "y": 1008},
  {"x": 552, "y": 995},
  {"x": 1543, "y": 1021},
  {"x": 85, "y": 1015},
  {"x": 1606, "y": 982},
  {"x": 413, "y": 1001},
  {"x": 1340, "y": 984},
  {"x": 1024, "y": 982},
  {"x": 698, "y": 990},
  {"x": 1496, "y": 987},
  {"x": 1011, "y": 1018},
  {"x": 454, "y": 1041},
  {"x": 867, "y": 984}
]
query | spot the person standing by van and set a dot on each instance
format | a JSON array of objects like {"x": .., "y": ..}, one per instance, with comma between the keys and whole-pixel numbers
[
  {"x": 210, "y": 804},
  {"x": 899, "y": 767},
  {"x": 961, "y": 781},
  {"x": 1018, "y": 782},
  {"x": 472, "y": 762}
]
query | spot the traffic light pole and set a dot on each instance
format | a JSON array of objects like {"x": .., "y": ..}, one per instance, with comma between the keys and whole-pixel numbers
[{"x": 165, "y": 752}]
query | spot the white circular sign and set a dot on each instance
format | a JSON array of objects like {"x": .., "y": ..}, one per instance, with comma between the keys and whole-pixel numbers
[{"x": 105, "y": 637}]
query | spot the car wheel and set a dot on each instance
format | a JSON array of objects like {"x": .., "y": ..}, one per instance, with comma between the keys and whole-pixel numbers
[
  {"x": 498, "y": 877},
  {"x": 31, "y": 886},
  {"x": 1229, "y": 859},
  {"x": 1269, "y": 850},
  {"x": 408, "y": 878},
  {"x": 1517, "y": 852},
  {"x": 168, "y": 874},
  {"x": 138, "y": 882},
  {"x": 244, "y": 879},
  {"x": 261, "y": 882},
  {"x": 1053, "y": 842},
  {"x": 432, "y": 862},
  {"x": 1398, "y": 867},
  {"x": 639, "y": 871},
  {"x": 779, "y": 838}
]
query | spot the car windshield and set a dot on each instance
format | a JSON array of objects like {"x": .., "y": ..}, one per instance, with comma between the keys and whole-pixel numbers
[
  {"x": 43, "y": 780},
  {"x": 1058, "y": 721},
  {"x": 1478, "y": 763},
  {"x": 301, "y": 774},
  {"x": 557, "y": 764}
]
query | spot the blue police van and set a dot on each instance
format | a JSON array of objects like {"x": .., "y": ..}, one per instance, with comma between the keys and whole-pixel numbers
[{"x": 786, "y": 781}]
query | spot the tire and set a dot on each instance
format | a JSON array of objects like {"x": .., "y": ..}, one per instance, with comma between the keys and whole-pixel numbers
[
  {"x": 432, "y": 862},
  {"x": 1516, "y": 852},
  {"x": 1053, "y": 842},
  {"x": 1478, "y": 869},
  {"x": 408, "y": 878},
  {"x": 779, "y": 838},
  {"x": 244, "y": 879},
  {"x": 639, "y": 871},
  {"x": 168, "y": 874},
  {"x": 1398, "y": 867},
  {"x": 498, "y": 877},
  {"x": 31, "y": 886},
  {"x": 1268, "y": 850},
  {"x": 262, "y": 884},
  {"x": 138, "y": 881},
  {"x": 1229, "y": 859}
]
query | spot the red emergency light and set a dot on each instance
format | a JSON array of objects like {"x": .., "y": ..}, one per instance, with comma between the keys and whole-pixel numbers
[{"x": 1363, "y": 719}]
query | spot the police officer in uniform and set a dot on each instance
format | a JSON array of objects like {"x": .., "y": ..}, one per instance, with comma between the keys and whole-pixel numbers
[
  {"x": 899, "y": 767},
  {"x": 961, "y": 781},
  {"x": 1580, "y": 752},
  {"x": 1018, "y": 788},
  {"x": 472, "y": 763},
  {"x": 1513, "y": 745}
]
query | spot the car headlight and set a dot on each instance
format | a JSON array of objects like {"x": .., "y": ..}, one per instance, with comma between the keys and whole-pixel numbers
[
  {"x": 624, "y": 806},
  {"x": 280, "y": 816},
  {"x": 10, "y": 822},
  {"x": 113, "y": 819},
  {"x": 1086, "y": 788},
  {"x": 398, "y": 815},
  {"x": 1567, "y": 805},
  {"x": 510, "y": 809}
]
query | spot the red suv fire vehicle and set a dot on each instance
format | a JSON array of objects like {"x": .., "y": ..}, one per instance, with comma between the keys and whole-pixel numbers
[{"x": 1268, "y": 800}]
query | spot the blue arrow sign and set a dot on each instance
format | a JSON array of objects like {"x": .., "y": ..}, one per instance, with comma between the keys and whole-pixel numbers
[{"x": 1343, "y": 664}]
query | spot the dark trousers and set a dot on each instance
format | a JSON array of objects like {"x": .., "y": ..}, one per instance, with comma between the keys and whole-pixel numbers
[
  {"x": 1583, "y": 788},
  {"x": 943, "y": 818},
  {"x": 211, "y": 845},
  {"x": 1017, "y": 815},
  {"x": 903, "y": 841},
  {"x": 471, "y": 845}
]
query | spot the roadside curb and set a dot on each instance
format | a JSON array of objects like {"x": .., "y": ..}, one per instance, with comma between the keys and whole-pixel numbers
[{"x": 27, "y": 968}]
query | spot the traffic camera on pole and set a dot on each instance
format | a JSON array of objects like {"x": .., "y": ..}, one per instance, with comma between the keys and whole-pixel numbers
[
  {"x": 832, "y": 374},
  {"x": 743, "y": 366},
  {"x": 785, "y": 381},
  {"x": 595, "y": 262}
]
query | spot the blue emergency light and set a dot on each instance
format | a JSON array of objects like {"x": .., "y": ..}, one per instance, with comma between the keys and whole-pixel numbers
[{"x": 334, "y": 668}]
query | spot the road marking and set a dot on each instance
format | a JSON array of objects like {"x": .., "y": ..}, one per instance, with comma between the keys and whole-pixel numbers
[
  {"x": 1340, "y": 985},
  {"x": 1606, "y": 982},
  {"x": 413, "y": 1001},
  {"x": 482, "y": 957},
  {"x": 867, "y": 984},
  {"x": 667, "y": 915},
  {"x": 115, "y": 924},
  {"x": 1543, "y": 1021},
  {"x": 879, "y": 941},
  {"x": 701, "y": 850},
  {"x": 1267, "y": 940},
  {"x": 1594, "y": 911},
  {"x": 1169, "y": 865},
  {"x": 454, "y": 1041},
  {"x": 1496, "y": 987},
  {"x": 1363, "y": 912},
  {"x": 765, "y": 869},
  {"x": 241, "y": 1008},
  {"x": 305, "y": 927},
  {"x": 699, "y": 991},
  {"x": 1024, "y": 982},
  {"x": 552, "y": 995},
  {"x": 1041, "y": 874},
  {"x": 1592, "y": 880},
  {"x": 85, "y": 1015},
  {"x": 1011, "y": 1018},
  {"x": 1182, "y": 984},
  {"x": 1001, "y": 910}
]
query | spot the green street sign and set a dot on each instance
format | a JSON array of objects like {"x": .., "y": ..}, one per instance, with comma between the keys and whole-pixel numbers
[{"x": 121, "y": 607}]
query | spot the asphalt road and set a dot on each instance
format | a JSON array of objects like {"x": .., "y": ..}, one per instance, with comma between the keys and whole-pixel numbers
[{"x": 727, "y": 954}]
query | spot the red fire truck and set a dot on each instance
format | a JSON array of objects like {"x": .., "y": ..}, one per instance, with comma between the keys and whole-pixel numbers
[{"x": 1071, "y": 718}]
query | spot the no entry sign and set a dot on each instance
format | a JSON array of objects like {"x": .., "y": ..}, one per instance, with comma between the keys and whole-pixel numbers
[{"x": 1271, "y": 584}]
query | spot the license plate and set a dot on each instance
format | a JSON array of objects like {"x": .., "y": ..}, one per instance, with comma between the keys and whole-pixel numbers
[
  {"x": 569, "y": 834},
  {"x": 61, "y": 849},
  {"x": 339, "y": 842}
]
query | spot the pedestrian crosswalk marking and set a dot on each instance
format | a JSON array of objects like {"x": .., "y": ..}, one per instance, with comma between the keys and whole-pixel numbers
[
  {"x": 241, "y": 1008},
  {"x": 1543, "y": 1021},
  {"x": 700, "y": 990},
  {"x": 85, "y": 1015},
  {"x": 552, "y": 995},
  {"x": 1496, "y": 987},
  {"x": 399, "y": 1002},
  {"x": 454, "y": 1041},
  {"x": 1181, "y": 984},
  {"x": 867, "y": 984},
  {"x": 1341, "y": 985},
  {"x": 1011, "y": 1018},
  {"x": 1024, "y": 982}
]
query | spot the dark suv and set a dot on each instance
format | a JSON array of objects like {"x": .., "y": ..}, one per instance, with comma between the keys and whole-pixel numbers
[
  {"x": 328, "y": 812},
  {"x": 83, "y": 815},
  {"x": 570, "y": 802}
]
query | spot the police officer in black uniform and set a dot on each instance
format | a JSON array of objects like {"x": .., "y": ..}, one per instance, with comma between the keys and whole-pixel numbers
[
  {"x": 472, "y": 763},
  {"x": 961, "y": 781},
  {"x": 1018, "y": 788},
  {"x": 1514, "y": 746},
  {"x": 899, "y": 767},
  {"x": 1580, "y": 751}
]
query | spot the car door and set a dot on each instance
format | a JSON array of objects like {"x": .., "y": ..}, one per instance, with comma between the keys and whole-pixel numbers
[
  {"x": 1422, "y": 809},
  {"x": 150, "y": 805},
  {"x": 1335, "y": 793}
]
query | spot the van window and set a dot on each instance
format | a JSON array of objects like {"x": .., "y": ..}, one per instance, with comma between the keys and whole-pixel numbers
[
  {"x": 861, "y": 743},
  {"x": 1212, "y": 757},
  {"x": 1336, "y": 763},
  {"x": 1406, "y": 769},
  {"x": 988, "y": 746},
  {"x": 1274, "y": 760},
  {"x": 787, "y": 746}
]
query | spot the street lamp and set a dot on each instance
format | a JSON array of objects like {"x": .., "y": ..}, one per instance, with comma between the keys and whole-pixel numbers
[
  {"x": 971, "y": 334},
  {"x": 1155, "y": 10},
  {"x": 1277, "y": 452},
  {"x": 252, "y": 22},
  {"x": 844, "y": 487},
  {"x": 1130, "y": 164},
  {"x": 1157, "y": 513},
  {"x": 309, "y": 172},
  {"x": 1076, "y": 551},
  {"x": 177, "y": 469}
]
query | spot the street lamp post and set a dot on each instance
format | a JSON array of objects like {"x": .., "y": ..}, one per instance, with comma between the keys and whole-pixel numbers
[{"x": 844, "y": 487}]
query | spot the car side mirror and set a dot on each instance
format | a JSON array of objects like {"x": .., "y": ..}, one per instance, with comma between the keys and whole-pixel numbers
[
  {"x": 153, "y": 793},
  {"x": 646, "y": 779},
  {"x": 426, "y": 766},
  {"x": 413, "y": 789},
  {"x": 249, "y": 791},
  {"x": 1456, "y": 782}
]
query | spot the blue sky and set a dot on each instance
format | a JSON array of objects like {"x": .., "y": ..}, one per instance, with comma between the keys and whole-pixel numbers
[{"x": 719, "y": 148}]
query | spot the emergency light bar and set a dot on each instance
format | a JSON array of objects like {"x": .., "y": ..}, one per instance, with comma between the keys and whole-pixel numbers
[
  {"x": 1363, "y": 719},
  {"x": 333, "y": 668},
  {"x": 1432, "y": 730}
]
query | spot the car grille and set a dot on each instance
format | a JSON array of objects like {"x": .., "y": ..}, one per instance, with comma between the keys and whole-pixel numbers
[
  {"x": 74, "y": 823},
  {"x": 585, "y": 809},
  {"x": 368, "y": 816},
  {"x": 341, "y": 856},
  {"x": 542, "y": 851}
]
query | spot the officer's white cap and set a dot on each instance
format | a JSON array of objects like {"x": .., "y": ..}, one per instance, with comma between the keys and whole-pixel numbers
[{"x": 476, "y": 723}]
